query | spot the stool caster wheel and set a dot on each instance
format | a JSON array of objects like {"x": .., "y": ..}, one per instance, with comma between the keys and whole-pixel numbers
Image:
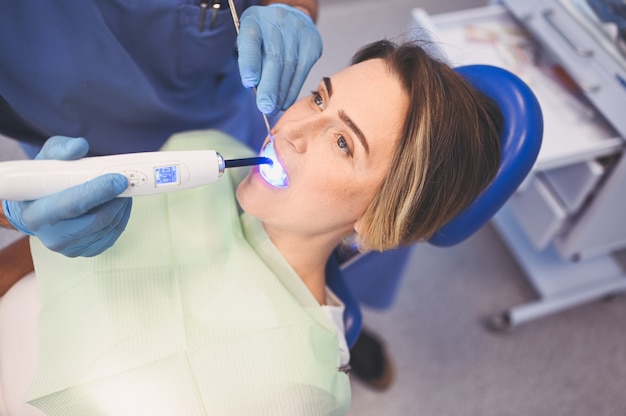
[
  {"x": 499, "y": 323},
  {"x": 612, "y": 296}
]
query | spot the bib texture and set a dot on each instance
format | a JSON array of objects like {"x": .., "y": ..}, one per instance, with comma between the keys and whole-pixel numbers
[{"x": 192, "y": 312}]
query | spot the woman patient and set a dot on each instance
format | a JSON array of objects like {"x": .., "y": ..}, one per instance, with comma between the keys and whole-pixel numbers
[{"x": 213, "y": 301}]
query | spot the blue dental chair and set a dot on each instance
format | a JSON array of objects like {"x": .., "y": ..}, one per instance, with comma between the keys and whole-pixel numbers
[{"x": 372, "y": 279}]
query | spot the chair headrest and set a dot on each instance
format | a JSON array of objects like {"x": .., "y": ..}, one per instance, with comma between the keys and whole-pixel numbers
[{"x": 521, "y": 140}]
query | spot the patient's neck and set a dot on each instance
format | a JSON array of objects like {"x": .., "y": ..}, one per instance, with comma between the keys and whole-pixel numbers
[{"x": 308, "y": 256}]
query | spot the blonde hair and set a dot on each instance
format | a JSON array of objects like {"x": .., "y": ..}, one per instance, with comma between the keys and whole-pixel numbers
[{"x": 447, "y": 154}]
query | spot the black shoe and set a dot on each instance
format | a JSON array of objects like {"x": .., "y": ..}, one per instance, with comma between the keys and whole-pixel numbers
[{"x": 370, "y": 363}]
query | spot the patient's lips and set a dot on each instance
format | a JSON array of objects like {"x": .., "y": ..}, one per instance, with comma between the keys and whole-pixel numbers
[{"x": 273, "y": 174}]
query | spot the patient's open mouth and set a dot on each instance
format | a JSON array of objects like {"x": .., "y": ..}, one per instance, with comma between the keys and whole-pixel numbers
[{"x": 273, "y": 174}]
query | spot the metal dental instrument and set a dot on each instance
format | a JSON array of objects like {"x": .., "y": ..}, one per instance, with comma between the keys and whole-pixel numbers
[
  {"x": 273, "y": 173},
  {"x": 233, "y": 12},
  {"x": 148, "y": 172}
]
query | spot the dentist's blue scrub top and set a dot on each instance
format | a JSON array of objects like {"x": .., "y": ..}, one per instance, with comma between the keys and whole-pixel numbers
[{"x": 125, "y": 74}]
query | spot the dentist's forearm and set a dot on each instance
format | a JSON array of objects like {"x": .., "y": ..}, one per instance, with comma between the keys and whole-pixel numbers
[
  {"x": 15, "y": 262},
  {"x": 4, "y": 222},
  {"x": 307, "y": 6}
]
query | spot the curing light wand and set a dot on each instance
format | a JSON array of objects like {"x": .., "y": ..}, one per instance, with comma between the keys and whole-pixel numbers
[{"x": 147, "y": 173}]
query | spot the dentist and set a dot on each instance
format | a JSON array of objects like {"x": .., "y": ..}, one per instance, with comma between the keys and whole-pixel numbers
[{"x": 127, "y": 75}]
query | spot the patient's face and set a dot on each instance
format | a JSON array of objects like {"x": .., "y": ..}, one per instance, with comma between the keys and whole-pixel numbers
[{"x": 336, "y": 146}]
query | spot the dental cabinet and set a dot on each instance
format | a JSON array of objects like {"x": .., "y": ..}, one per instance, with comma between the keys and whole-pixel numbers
[{"x": 568, "y": 218}]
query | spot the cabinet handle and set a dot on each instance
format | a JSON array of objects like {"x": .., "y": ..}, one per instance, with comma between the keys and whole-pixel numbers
[{"x": 548, "y": 15}]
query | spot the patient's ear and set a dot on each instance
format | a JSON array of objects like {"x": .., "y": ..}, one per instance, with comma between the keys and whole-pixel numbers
[{"x": 358, "y": 224}]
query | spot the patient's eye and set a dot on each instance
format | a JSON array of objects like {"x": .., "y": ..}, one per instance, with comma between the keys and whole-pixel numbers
[
  {"x": 317, "y": 99},
  {"x": 342, "y": 143}
]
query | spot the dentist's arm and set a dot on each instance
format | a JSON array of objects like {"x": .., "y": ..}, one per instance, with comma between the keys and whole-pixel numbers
[
  {"x": 309, "y": 7},
  {"x": 15, "y": 263},
  {"x": 81, "y": 221},
  {"x": 4, "y": 221},
  {"x": 278, "y": 45}
]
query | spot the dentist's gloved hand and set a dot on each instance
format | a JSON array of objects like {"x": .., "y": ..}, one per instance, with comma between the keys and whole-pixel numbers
[
  {"x": 81, "y": 221},
  {"x": 278, "y": 45}
]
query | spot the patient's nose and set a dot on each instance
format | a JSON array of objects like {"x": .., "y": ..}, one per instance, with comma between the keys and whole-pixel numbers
[{"x": 301, "y": 132}]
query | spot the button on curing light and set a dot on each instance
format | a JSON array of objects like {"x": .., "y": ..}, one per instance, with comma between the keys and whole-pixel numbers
[
  {"x": 274, "y": 174},
  {"x": 148, "y": 173}
]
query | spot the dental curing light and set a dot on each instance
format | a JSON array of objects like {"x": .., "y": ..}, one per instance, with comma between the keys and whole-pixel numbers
[
  {"x": 148, "y": 173},
  {"x": 273, "y": 173}
]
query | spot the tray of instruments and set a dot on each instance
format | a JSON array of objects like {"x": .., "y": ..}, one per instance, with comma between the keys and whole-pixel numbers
[
  {"x": 574, "y": 129},
  {"x": 587, "y": 38}
]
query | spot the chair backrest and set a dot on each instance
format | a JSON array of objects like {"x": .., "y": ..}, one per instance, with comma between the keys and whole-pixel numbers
[{"x": 521, "y": 140}]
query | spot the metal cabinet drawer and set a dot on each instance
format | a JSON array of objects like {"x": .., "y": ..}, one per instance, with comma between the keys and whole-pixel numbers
[
  {"x": 538, "y": 212},
  {"x": 574, "y": 183},
  {"x": 544, "y": 207}
]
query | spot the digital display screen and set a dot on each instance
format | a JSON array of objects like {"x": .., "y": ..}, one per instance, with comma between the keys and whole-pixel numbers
[{"x": 166, "y": 175}]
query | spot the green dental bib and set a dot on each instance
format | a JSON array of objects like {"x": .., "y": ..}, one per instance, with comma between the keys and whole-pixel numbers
[{"x": 192, "y": 312}]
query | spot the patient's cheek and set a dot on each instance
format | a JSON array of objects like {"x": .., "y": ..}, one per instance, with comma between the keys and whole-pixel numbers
[
  {"x": 249, "y": 193},
  {"x": 241, "y": 192}
]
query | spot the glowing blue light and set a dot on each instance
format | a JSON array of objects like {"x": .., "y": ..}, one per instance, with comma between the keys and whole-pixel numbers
[{"x": 274, "y": 174}]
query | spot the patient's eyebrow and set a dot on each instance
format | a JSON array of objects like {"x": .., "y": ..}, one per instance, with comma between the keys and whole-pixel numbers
[
  {"x": 355, "y": 129},
  {"x": 328, "y": 85},
  {"x": 346, "y": 119}
]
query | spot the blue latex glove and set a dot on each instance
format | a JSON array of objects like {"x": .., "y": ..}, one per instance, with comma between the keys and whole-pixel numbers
[
  {"x": 278, "y": 45},
  {"x": 81, "y": 221}
]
